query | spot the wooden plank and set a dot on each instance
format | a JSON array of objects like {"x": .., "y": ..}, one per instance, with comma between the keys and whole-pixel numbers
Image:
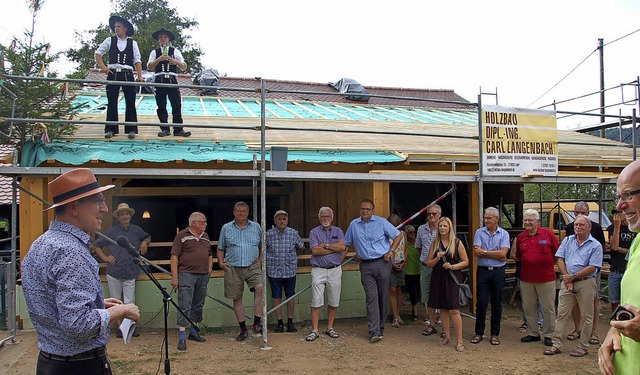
[{"x": 33, "y": 222}]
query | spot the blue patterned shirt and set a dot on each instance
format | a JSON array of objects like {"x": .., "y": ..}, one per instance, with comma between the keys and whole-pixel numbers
[
  {"x": 241, "y": 246},
  {"x": 63, "y": 292},
  {"x": 281, "y": 254},
  {"x": 424, "y": 238},
  {"x": 576, "y": 257},
  {"x": 499, "y": 239},
  {"x": 371, "y": 238}
]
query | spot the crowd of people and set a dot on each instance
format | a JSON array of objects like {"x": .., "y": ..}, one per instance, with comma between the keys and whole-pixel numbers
[{"x": 73, "y": 323}]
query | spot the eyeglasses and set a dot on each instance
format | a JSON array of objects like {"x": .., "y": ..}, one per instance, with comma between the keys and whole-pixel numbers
[
  {"x": 99, "y": 200},
  {"x": 432, "y": 213},
  {"x": 325, "y": 216},
  {"x": 625, "y": 197},
  {"x": 201, "y": 221},
  {"x": 366, "y": 209}
]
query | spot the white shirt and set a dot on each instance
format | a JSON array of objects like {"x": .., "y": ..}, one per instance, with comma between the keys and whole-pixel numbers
[
  {"x": 176, "y": 55},
  {"x": 122, "y": 44}
]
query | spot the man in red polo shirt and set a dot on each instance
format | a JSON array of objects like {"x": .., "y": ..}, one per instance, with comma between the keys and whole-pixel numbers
[{"x": 535, "y": 248}]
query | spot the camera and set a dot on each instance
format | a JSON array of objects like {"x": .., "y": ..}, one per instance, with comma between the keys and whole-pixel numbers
[{"x": 620, "y": 314}]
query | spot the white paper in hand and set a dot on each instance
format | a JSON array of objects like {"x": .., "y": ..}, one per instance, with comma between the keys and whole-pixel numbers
[{"x": 127, "y": 327}]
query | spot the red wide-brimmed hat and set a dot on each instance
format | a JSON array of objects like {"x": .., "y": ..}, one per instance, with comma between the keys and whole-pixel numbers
[{"x": 73, "y": 185}]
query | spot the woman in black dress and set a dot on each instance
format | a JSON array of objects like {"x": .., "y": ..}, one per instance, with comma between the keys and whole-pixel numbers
[{"x": 447, "y": 253}]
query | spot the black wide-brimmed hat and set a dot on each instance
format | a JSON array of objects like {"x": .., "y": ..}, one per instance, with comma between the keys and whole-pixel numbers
[
  {"x": 127, "y": 24},
  {"x": 156, "y": 34}
]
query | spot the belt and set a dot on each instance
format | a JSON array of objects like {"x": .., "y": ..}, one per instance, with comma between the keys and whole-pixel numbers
[
  {"x": 330, "y": 267},
  {"x": 89, "y": 354},
  {"x": 583, "y": 278},
  {"x": 490, "y": 268},
  {"x": 121, "y": 70},
  {"x": 370, "y": 260}
]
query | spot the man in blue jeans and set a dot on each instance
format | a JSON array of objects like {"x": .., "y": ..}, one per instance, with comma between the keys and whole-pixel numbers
[
  {"x": 491, "y": 246},
  {"x": 620, "y": 239}
]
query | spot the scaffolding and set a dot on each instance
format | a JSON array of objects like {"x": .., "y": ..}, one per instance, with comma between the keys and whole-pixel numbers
[{"x": 263, "y": 174}]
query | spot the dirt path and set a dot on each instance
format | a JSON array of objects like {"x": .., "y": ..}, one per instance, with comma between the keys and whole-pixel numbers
[{"x": 403, "y": 350}]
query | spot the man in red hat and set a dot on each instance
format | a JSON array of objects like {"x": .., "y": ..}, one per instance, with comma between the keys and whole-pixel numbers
[
  {"x": 124, "y": 55},
  {"x": 165, "y": 61},
  {"x": 61, "y": 286}
]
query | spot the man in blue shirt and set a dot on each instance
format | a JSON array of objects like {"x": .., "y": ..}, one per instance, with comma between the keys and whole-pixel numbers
[
  {"x": 579, "y": 259},
  {"x": 240, "y": 259},
  {"x": 490, "y": 245},
  {"x": 61, "y": 285},
  {"x": 371, "y": 237},
  {"x": 282, "y": 265}
]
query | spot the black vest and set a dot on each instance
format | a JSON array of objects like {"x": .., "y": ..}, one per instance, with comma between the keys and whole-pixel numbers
[
  {"x": 164, "y": 66},
  {"x": 121, "y": 57}
]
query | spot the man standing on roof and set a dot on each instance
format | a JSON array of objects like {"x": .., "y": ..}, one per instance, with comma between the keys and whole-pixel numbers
[
  {"x": 165, "y": 61},
  {"x": 582, "y": 208},
  {"x": 121, "y": 269},
  {"x": 124, "y": 55},
  {"x": 61, "y": 284},
  {"x": 283, "y": 243}
]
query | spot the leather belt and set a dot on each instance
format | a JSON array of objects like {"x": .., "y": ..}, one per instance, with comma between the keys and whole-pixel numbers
[
  {"x": 330, "y": 267},
  {"x": 121, "y": 70},
  {"x": 583, "y": 278},
  {"x": 89, "y": 354},
  {"x": 490, "y": 268},
  {"x": 370, "y": 260}
]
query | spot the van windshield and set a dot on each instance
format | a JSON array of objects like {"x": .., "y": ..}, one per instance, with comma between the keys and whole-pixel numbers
[{"x": 593, "y": 216}]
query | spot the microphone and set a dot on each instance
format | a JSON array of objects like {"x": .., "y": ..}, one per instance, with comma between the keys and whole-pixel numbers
[{"x": 124, "y": 243}]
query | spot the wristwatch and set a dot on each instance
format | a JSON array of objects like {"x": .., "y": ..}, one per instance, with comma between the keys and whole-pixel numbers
[
  {"x": 484, "y": 252},
  {"x": 326, "y": 246}
]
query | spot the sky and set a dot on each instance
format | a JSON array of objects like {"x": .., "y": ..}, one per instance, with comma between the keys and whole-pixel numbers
[{"x": 517, "y": 49}]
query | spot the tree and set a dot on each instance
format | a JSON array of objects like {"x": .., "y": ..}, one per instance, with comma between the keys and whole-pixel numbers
[
  {"x": 147, "y": 16},
  {"x": 34, "y": 99}
]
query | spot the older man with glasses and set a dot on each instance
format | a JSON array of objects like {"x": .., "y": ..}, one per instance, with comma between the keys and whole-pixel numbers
[
  {"x": 620, "y": 350},
  {"x": 579, "y": 258},
  {"x": 370, "y": 235}
]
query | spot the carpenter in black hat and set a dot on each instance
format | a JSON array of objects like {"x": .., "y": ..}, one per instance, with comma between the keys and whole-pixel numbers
[
  {"x": 125, "y": 23},
  {"x": 168, "y": 33}
]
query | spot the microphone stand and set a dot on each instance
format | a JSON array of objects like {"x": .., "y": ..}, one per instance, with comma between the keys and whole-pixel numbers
[{"x": 166, "y": 299}]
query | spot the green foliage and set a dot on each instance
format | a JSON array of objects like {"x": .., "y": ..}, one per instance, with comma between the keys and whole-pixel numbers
[
  {"x": 566, "y": 192},
  {"x": 146, "y": 16},
  {"x": 34, "y": 99}
]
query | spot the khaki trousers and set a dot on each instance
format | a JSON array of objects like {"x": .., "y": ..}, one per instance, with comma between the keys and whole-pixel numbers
[
  {"x": 546, "y": 294},
  {"x": 583, "y": 294}
]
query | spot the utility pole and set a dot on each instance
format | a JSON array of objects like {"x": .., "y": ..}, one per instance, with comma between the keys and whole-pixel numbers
[{"x": 602, "y": 117}]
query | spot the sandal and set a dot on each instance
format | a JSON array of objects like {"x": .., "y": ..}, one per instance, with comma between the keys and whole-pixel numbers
[
  {"x": 429, "y": 331},
  {"x": 476, "y": 339},
  {"x": 495, "y": 340},
  {"x": 460, "y": 347},
  {"x": 312, "y": 336},
  {"x": 523, "y": 327},
  {"x": 552, "y": 351},
  {"x": 331, "y": 333},
  {"x": 573, "y": 336},
  {"x": 580, "y": 352},
  {"x": 395, "y": 323},
  {"x": 400, "y": 321},
  {"x": 594, "y": 340},
  {"x": 427, "y": 322},
  {"x": 444, "y": 342}
]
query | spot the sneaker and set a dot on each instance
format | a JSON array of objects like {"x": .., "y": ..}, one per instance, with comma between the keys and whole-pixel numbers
[
  {"x": 164, "y": 133},
  {"x": 196, "y": 337},
  {"x": 291, "y": 328},
  {"x": 279, "y": 328},
  {"x": 181, "y": 134},
  {"x": 108, "y": 135},
  {"x": 182, "y": 344},
  {"x": 257, "y": 329},
  {"x": 243, "y": 335},
  {"x": 375, "y": 337},
  {"x": 132, "y": 135}
]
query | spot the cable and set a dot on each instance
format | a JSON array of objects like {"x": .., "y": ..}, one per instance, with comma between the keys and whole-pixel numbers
[{"x": 563, "y": 78}]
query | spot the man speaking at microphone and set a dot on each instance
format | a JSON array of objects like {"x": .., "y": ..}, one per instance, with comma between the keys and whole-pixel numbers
[
  {"x": 61, "y": 285},
  {"x": 121, "y": 269}
]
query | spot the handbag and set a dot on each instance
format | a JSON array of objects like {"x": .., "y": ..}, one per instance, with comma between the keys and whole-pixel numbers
[{"x": 464, "y": 291}]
